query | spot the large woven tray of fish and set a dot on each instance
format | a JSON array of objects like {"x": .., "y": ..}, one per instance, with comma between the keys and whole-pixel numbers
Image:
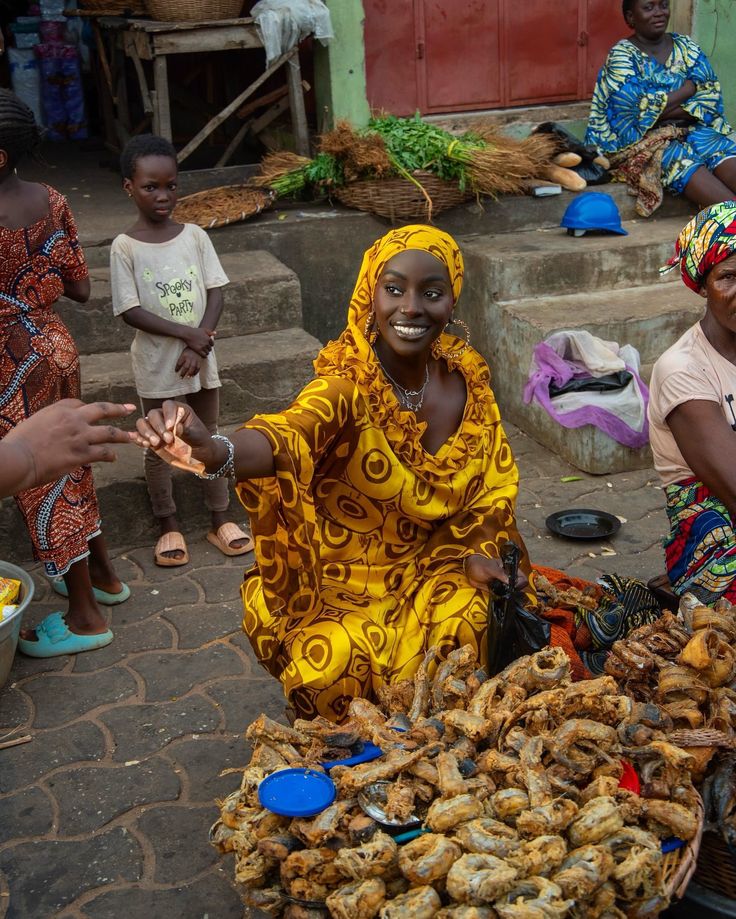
[{"x": 518, "y": 788}]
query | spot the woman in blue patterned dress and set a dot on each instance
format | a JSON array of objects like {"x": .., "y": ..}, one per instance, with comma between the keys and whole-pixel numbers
[{"x": 657, "y": 113}]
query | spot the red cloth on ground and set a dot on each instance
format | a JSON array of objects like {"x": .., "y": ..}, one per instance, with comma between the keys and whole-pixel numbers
[{"x": 564, "y": 633}]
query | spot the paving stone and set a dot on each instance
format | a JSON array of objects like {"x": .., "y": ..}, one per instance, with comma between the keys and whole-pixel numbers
[
  {"x": 77, "y": 743},
  {"x": 197, "y": 625},
  {"x": 29, "y": 666},
  {"x": 176, "y": 673},
  {"x": 143, "y": 636},
  {"x": 15, "y": 708},
  {"x": 44, "y": 877},
  {"x": 91, "y": 796},
  {"x": 203, "y": 758},
  {"x": 25, "y": 814},
  {"x": 221, "y": 583},
  {"x": 213, "y": 896},
  {"x": 242, "y": 703},
  {"x": 60, "y": 699},
  {"x": 139, "y": 730},
  {"x": 179, "y": 835},
  {"x": 154, "y": 597}
]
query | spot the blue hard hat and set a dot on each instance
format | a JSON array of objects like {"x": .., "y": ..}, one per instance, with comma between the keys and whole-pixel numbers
[{"x": 593, "y": 210}]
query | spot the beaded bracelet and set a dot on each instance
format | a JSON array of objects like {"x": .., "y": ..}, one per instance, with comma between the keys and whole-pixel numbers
[{"x": 228, "y": 467}]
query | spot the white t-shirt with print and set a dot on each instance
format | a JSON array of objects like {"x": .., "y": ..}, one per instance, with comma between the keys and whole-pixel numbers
[{"x": 170, "y": 279}]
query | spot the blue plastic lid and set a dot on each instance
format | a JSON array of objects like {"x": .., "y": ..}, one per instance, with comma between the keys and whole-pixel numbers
[
  {"x": 370, "y": 751},
  {"x": 297, "y": 792}
]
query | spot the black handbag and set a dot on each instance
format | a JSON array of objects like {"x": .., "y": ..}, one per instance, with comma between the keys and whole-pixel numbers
[{"x": 513, "y": 630}]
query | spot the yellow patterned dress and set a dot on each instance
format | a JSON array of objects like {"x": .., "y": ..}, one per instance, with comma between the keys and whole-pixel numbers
[{"x": 361, "y": 535}]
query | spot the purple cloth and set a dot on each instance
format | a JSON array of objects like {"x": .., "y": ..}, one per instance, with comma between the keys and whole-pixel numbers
[{"x": 552, "y": 368}]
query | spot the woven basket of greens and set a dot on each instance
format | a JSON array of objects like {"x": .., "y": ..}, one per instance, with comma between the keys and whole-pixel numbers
[{"x": 406, "y": 167}]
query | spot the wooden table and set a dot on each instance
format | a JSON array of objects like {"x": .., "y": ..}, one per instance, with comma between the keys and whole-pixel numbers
[{"x": 147, "y": 40}]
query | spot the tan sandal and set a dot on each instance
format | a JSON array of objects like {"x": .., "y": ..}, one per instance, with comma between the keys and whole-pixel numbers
[
  {"x": 226, "y": 535},
  {"x": 171, "y": 542}
]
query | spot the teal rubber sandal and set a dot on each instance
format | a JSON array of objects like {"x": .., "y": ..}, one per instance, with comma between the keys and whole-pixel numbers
[
  {"x": 54, "y": 638},
  {"x": 102, "y": 596}
]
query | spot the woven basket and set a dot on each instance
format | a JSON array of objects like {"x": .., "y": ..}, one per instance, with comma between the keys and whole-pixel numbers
[
  {"x": 115, "y": 7},
  {"x": 679, "y": 865},
  {"x": 716, "y": 868},
  {"x": 400, "y": 199},
  {"x": 193, "y": 10},
  {"x": 216, "y": 207}
]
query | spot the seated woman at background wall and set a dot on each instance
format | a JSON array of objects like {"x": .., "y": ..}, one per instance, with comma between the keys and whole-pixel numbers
[
  {"x": 692, "y": 414},
  {"x": 657, "y": 113}
]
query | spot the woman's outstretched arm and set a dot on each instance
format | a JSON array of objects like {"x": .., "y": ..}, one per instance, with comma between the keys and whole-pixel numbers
[{"x": 253, "y": 452}]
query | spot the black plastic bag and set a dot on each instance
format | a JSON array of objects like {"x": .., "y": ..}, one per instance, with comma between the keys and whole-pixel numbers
[
  {"x": 593, "y": 173},
  {"x": 568, "y": 142},
  {"x": 609, "y": 382},
  {"x": 513, "y": 630}
]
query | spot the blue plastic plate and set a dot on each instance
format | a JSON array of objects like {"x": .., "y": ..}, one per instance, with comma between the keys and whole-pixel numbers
[{"x": 297, "y": 792}]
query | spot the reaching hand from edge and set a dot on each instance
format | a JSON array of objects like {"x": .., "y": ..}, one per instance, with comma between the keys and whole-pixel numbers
[{"x": 57, "y": 439}]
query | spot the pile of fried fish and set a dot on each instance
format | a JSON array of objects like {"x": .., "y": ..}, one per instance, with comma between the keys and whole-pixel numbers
[{"x": 513, "y": 783}]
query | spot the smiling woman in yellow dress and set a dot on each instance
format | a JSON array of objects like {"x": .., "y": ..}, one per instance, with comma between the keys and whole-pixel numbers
[{"x": 380, "y": 498}]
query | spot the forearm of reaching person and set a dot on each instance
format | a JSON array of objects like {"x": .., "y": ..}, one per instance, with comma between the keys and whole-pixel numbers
[
  {"x": 56, "y": 440},
  {"x": 707, "y": 444},
  {"x": 253, "y": 455}
]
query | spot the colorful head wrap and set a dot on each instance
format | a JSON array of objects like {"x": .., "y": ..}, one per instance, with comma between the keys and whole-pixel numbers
[
  {"x": 708, "y": 239},
  {"x": 414, "y": 236}
]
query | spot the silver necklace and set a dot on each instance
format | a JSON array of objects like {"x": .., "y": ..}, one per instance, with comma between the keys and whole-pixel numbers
[{"x": 413, "y": 399}]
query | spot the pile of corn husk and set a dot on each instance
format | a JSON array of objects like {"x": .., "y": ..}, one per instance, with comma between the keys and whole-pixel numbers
[{"x": 515, "y": 779}]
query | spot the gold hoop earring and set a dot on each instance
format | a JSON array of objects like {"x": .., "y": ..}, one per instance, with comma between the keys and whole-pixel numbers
[
  {"x": 464, "y": 326},
  {"x": 370, "y": 338},
  {"x": 438, "y": 351}
]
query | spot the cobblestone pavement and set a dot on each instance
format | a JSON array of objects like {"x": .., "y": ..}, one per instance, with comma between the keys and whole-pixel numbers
[{"x": 105, "y": 813}]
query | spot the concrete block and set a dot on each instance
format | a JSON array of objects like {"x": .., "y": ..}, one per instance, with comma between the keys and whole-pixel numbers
[
  {"x": 263, "y": 295},
  {"x": 650, "y": 318},
  {"x": 547, "y": 262}
]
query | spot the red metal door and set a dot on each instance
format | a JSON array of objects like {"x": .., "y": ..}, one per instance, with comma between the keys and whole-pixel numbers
[
  {"x": 456, "y": 55},
  {"x": 541, "y": 51},
  {"x": 605, "y": 25},
  {"x": 390, "y": 56},
  {"x": 456, "y": 70}
]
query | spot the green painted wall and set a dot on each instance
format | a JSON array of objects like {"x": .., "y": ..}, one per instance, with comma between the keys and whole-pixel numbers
[
  {"x": 714, "y": 29},
  {"x": 339, "y": 68}
]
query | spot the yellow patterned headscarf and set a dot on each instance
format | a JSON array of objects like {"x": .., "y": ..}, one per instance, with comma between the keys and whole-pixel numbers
[
  {"x": 414, "y": 236},
  {"x": 336, "y": 358}
]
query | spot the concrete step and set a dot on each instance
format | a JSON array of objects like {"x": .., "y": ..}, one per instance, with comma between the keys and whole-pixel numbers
[
  {"x": 259, "y": 373},
  {"x": 651, "y": 318},
  {"x": 547, "y": 262},
  {"x": 263, "y": 295}
]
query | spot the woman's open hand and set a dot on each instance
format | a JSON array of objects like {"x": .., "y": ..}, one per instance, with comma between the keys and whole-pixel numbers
[
  {"x": 481, "y": 571},
  {"x": 176, "y": 419}
]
